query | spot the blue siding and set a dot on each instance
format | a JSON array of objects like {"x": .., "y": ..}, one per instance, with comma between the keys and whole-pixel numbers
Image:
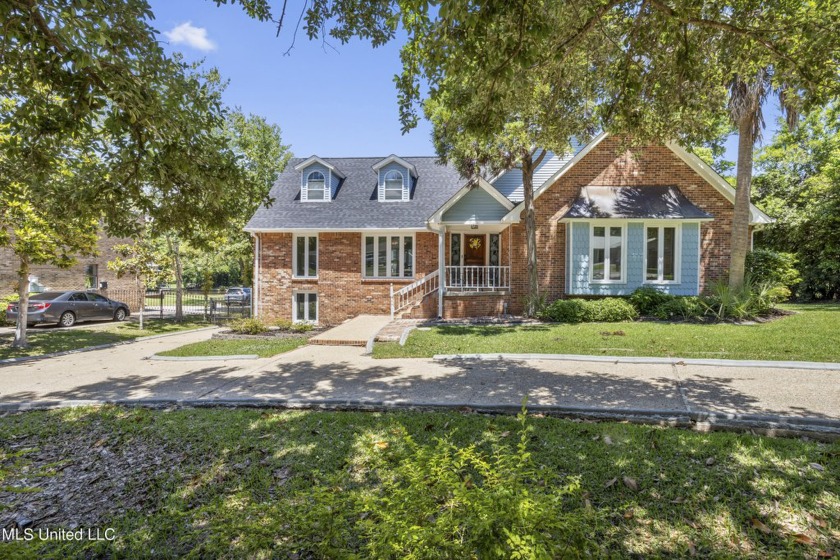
[
  {"x": 394, "y": 166},
  {"x": 477, "y": 205},
  {"x": 579, "y": 280},
  {"x": 510, "y": 184},
  {"x": 304, "y": 173}
]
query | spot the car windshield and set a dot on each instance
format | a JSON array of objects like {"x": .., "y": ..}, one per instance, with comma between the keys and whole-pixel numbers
[
  {"x": 234, "y": 290},
  {"x": 45, "y": 296}
]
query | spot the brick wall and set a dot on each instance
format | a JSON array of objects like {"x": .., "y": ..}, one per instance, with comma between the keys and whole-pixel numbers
[
  {"x": 609, "y": 164},
  {"x": 72, "y": 278},
  {"x": 342, "y": 292},
  {"x": 485, "y": 305}
]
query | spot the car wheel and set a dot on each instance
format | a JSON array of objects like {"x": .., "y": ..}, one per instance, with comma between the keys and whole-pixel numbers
[
  {"x": 67, "y": 319},
  {"x": 119, "y": 315}
]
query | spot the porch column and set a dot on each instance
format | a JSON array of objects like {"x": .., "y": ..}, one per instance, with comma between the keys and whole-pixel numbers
[{"x": 441, "y": 269}]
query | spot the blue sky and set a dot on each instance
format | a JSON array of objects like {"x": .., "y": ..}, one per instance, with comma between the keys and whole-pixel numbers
[{"x": 328, "y": 103}]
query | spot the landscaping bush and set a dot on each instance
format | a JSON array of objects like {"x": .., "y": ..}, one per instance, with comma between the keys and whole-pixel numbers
[
  {"x": 768, "y": 266},
  {"x": 750, "y": 301},
  {"x": 284, "y": 324},
  {"x": 248, "y": 326},
  {"x": 647, "y": 299},
  {"x": 302, "y": 327},
  {"x": 448, "y": 501},
  {"x": 685, "y": 308},
  {"x": 564, "y": 311},
  {"x": 597, "y": 310},
  {"x": 4, "y": 302}
]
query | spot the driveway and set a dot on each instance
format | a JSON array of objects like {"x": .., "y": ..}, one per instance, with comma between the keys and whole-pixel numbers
[{"x": 331, "y": 375}]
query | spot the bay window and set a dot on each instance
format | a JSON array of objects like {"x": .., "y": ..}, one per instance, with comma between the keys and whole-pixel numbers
[
  {"x": 661, "y": 254},
  {"x": 607, "y": 253},
  {"x": 305, "y": 256},
  {"x": 388, "y": 256}
]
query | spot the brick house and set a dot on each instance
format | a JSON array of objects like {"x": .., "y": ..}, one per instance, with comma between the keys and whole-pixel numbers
[
  {"x": 87, "y": 273},
  {"x": 409, "y": 237}
]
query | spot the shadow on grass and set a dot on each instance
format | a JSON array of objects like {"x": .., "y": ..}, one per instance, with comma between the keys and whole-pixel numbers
[{"x": 263, "y": 483}]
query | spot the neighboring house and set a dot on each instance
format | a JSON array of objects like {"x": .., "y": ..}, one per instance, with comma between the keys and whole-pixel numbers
[
  {"x": 87, "y": 273},
  {"x": 350, "y": 236}
]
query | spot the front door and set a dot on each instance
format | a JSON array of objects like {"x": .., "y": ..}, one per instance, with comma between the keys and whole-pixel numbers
[{"x": 474, "y": 250}]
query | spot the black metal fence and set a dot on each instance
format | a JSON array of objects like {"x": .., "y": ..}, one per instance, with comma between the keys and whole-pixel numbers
[{"x": 214, "y": 306}]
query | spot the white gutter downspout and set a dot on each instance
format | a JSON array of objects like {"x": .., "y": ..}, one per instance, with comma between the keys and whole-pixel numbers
[{"x": 255, "y": 298}]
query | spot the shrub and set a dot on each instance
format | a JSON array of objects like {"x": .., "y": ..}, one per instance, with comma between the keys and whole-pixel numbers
[
  {"x": 284, "y": 324},
  {"x": 302, "y": 327},
  {"x": 647, "y": 299},
  {"x": 768, "y": 266},
  {"x": 448, "y": 501},
  {"x": 248, "y": 326},
  {"x": 598, "y": 310},
  {"x": 751, "y": 300},
  {"x": 4, "y": 302},
  {"x": 565, "y": 311},
  {"x": 685, "y": 308}
]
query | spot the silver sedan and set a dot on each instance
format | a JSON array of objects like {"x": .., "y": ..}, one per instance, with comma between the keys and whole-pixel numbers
[{"x": 67, "y": 308}]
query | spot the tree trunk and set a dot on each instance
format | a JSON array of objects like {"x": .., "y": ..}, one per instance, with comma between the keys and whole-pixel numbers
[
  {"x": 141, "y": 290},
  {"x": 740, "y": 242},
  {"x": 20, "y": 340},
  {"x": 532, "y": 300},
  {"x": 175, "y": 249}
]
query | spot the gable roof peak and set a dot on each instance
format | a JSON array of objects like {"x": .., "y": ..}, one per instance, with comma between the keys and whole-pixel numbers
[
  {"x": 315, "y": 159},
  {"x": 393, "y": 158}
]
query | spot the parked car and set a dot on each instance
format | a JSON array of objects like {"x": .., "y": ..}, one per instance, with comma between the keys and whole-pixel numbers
[
  {"x": 68, "y": 308},
  {"x": 241, "y": 296}
]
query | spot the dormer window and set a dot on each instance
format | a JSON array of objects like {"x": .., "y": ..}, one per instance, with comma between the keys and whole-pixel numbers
[
  {"x": 393, "y": 185},
  {"x": 316, "y": 186}
]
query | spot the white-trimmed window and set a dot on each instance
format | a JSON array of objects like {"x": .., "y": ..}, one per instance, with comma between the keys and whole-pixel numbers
[
  {"x": 607, "y": 249},
  {"x": 316, "y": 186},
  {"x": 305, "y": 256},
  {"x": 305, "y": 307},
  {"x": 662, "y": 253},
  {"x": 393, "y": 185},
  {"x": 388, "y": 256}
]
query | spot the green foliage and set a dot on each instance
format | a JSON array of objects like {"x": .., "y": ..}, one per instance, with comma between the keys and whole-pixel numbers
[
  {"x": 647, "y": 299},
  {"x": 450, "y": 501},
  {"x": 144, "y": 259},
  {"x": 248, "y": 326},
  {"x": 765, "y": 266},
  {"x": 684, "y": 308},
  {"x": 302, "y": 327},
  {"x": 798, "y": 183},
  {"x": 284, "y": 324},
  {"x": 4, "y": 302},
  {"x": 750, "y": 301},
  {"x": 597, "y": 310}
]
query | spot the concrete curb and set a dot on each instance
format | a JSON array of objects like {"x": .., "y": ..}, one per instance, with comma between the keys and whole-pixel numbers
[
  {"x": 10, "y": 361},
  {"x": 202, "y": 358},
  {"x": 818, "y": 428},
  {"x": 824, "y": 366}
]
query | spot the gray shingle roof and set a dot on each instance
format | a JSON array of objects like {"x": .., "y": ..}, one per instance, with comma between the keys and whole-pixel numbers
[
  {"x": 634, "y": 202},
  {"x": 355, "y": 204}
]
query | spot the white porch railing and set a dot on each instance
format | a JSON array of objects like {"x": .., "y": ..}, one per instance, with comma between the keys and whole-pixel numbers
[
  {"x": 477, "y": 278},
  {"x": 413, "y": 293}
]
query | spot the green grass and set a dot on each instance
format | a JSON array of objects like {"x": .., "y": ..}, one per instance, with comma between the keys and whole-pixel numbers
[
  {"x": 46, "y": 340},
  {"x": 272, "y": 484},
  {"x": 216, "y": 347},
  {"x": 804, "y": 336}
]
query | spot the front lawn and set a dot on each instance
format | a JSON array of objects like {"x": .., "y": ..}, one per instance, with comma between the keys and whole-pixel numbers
[
  {"x": 215, "y": 347},
  {"x": 806, "y": 336},
  {"x": 45, "y": 340},
  {"x": 245, "y": 483}
]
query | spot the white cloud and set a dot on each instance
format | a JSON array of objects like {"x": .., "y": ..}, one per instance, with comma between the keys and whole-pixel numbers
[{"x": 195, "y": 37}]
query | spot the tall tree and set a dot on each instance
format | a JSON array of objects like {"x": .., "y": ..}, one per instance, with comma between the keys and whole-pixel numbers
[{"x": 669, "y": 63}]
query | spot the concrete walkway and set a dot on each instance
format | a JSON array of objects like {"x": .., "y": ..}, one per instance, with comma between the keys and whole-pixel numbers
[
  {"x": 355, "y": 332},
  {"x": 344, "y": 376}
]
